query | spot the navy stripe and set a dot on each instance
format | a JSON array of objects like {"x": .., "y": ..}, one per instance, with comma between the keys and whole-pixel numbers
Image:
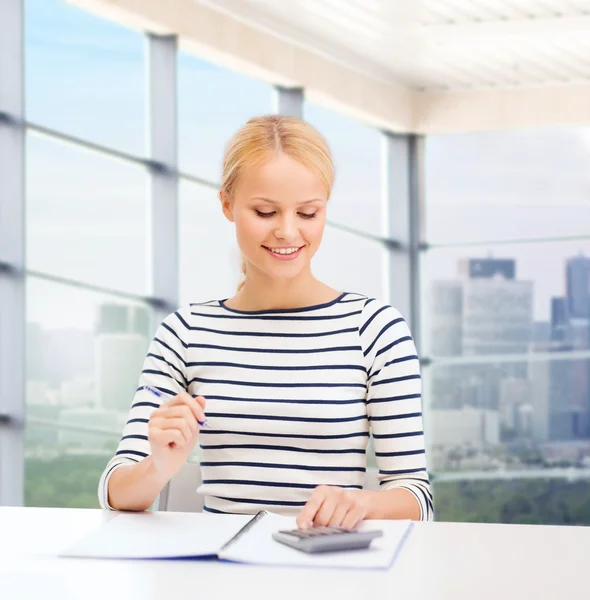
[
  {"x": 157, "y": 339},
  {"x": 405, "y": 453},
  {"x": 277, "y": 318},
  {"x": 158, "y": 357},
  {"x": 162, "y": 389},
  {"x": 277, "y": 350},
  {"x": 385, "y": 328},
  {"x": 396, "y": 379},
  {"x": 134, "y": 452},
  {"x": 392, "y": 362},
  {"x": 138, "y": 421},
  {"x": 163, "y": 374},
  {"x": 217, "y": 512},
  {"x": 134, "y": 437},
  {"x": 281, "y": 418},
  {"x": 353, "y": 300},
  {"x": 279, "y": 466},
  {"x": 285, "y": 435},
  {"x": 282, "y": 401},
  {"x": 279, "y": 385},
  {"x": 256, "y": 501},
  {"x": 280, "y": 367},
  {"x": 280, "y": 484},
  {"x": 267, "y": 334},
  {"x": 153, "y": 404},
  {"x": 370, "y": 319},
  {"x": 284, "y": 448},
  {"x": 401, "y": 471},
  {"x": 396, "y": 417},
  {"x": 390, "y": 346},
  {"x": 394, "y": 398},
  {"x": 391, "y": 436}
]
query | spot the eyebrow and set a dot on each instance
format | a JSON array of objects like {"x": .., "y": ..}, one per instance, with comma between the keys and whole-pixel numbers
[{"x": 273, "y": 202}]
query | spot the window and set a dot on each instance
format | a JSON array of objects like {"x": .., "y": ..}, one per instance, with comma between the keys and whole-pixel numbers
[
  {"x": 84, "y": 76},
  {"x": 213, "y": 103},
  {"x": 85, "y": 352},
  {"x": 505, "y": 299},
  {"x": 210, "y": 260},
  {"x": 357, "y": 199},
  {"x": 506, "y": 324},
  {"x": 507, "y": 186},
  {"x": 87, "y": 216},
  {"x": 63, "y": 466},
  {"x": 351, "y": 263}
]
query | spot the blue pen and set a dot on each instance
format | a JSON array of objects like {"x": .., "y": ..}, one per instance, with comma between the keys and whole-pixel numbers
[{"x": 159, "y": 394}]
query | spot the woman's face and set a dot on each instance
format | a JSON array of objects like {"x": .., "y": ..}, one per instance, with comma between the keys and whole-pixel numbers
[{"x": 279, "y": 211}]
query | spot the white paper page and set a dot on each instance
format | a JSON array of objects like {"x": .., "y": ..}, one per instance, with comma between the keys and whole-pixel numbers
[
  {"x": 256, "y": 546},
  {"x": 159, "y": 535}
]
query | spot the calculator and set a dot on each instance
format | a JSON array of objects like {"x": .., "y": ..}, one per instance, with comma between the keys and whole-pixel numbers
[{"x": 326, "y": 539}]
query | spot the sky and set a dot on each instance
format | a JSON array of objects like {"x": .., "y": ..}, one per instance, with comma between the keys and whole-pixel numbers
[{"x": 87, "y": 215}]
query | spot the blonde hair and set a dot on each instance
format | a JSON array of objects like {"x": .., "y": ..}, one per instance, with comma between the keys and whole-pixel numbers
[{"x": 262, "y": 138}]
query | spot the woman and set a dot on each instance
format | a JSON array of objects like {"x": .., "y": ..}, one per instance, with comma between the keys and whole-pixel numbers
[{"x": 289, "y": 373}]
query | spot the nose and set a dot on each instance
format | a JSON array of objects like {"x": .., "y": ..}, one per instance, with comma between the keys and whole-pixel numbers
[{"x": 286, "y": 229}]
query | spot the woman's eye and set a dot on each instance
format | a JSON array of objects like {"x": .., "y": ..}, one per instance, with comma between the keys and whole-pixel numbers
[
  {"x": 263, "y": 214},
  {"x": 307, "y": 215}
]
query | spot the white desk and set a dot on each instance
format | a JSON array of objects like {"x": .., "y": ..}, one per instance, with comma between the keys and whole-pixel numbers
[{"x": 439, "y": 561}]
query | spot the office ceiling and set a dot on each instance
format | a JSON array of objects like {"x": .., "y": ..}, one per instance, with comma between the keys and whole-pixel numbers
[{"x": 436, "y": 45}]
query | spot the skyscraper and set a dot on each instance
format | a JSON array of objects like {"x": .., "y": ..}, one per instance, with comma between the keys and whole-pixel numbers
[
  {"x": 121, "y": 343},
  {"x": 487, "y": 268},
  {"x": 578, "y": 286}
]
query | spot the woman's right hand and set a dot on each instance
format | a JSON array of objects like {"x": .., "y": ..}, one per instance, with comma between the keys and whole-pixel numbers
[{"x": 173, "y": 430}]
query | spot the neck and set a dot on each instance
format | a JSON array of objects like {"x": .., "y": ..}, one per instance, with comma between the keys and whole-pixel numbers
[{"x": 263, "y": 293}]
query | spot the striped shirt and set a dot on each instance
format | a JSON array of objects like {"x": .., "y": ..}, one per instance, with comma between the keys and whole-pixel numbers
[{"x": 292, "y": 398}]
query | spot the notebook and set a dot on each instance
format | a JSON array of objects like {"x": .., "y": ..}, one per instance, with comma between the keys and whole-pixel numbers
[{"x": 235, "y": 538}]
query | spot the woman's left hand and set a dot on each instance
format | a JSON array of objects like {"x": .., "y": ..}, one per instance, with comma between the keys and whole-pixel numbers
[{"x": 331, "y": 505}]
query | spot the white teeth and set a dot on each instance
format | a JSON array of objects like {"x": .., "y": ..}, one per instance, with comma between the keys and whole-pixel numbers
[{"x": 283, "y": 250}]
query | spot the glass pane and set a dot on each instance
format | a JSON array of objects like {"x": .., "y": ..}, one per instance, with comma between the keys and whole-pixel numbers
[
  {"x": 351, "y": 263},
  {"x": 518, "y": 416},
  {"x": 210, "y": 260},
  {"x": 213, "y": 103},
  {"x": 555, "y": 501},
  {"x": 84, "y": 76},
  {"x": 84, "y": 355},
  {"x": 87, "y": 216},
  {"x": 357, "y": 198},
  {"x": 62, "y": 467},
  {"x": 507, "y": 299},
  {"x": 507, "y": 185}
]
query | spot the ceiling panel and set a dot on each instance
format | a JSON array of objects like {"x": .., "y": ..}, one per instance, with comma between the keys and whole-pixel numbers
[{"x": 436, "y": 44}]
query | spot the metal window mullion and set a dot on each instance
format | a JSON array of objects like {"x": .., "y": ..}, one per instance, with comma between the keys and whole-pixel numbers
[
  {"x": 417, "y": 228},
  {"x": 289, "y": 101},
  {"x": 162, "y": 135},
  {"x": 12, "y": 252},
  {"x": 397, "y": 190}
]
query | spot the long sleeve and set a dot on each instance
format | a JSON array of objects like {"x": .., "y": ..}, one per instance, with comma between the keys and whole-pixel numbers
[
  {"x": 394, "y": 405},
  {"x": 164, "y": 368}
]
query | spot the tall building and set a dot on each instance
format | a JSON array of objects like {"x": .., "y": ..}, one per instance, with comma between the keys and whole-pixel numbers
[
  {"x": 578, "y": 286},
  {"x": 119, "y": 361},
  {"x": 121, "y": 344},
  {"x": 446, "y": 318},
  {"x": 488, "y": 268},
  {"x": 124, "y": 318}
]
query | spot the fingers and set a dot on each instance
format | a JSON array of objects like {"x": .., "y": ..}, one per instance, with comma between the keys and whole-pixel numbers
[
  {"x": 332, "y": 506},
  {"x": 196, "y": 405},
  {"x": 308, "y": 512},
  {"x": 353, "y": 517}
]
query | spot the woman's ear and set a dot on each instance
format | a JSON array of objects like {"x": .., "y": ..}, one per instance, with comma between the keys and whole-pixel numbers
[{"x": 226, "y": 206}]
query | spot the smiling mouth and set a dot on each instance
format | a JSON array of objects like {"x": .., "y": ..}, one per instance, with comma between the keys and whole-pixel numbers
[{"x": 286, "y": 254}]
